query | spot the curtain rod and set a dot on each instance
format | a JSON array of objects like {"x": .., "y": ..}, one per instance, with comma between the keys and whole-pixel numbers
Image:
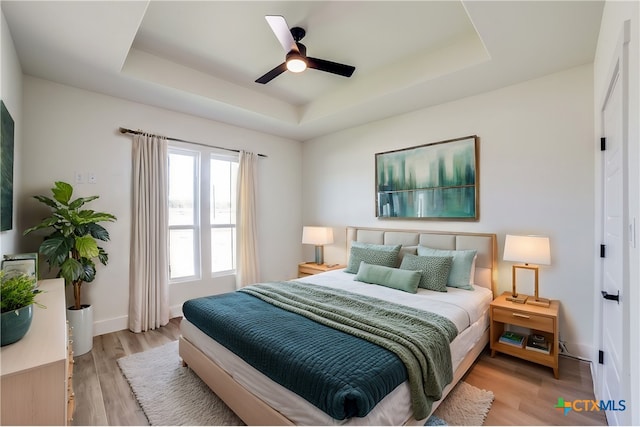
[{"x": 137, "y": 132}]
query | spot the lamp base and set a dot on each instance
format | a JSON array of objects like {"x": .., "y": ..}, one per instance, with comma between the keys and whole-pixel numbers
[
  {"x": 518, "y": 299},
  {"x": 319, "y": 255},
  {"x": 541, "y": 302}
]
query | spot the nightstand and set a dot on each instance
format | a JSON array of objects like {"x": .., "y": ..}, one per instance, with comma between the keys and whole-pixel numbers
[
  {"x": 539, "y": 320},
  {"x": 311, "y": 268}
]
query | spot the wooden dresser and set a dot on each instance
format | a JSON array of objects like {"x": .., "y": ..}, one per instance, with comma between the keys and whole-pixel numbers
[{"x": 36, "y": 371}]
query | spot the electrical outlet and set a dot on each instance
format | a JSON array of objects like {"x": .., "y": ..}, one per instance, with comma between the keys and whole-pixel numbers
[
  {"x": 79, "y": 178},
  {"x": 91, "y": 178}
]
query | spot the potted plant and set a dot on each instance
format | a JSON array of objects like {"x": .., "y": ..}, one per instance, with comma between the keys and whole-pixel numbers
[
  {"x": 16, "y": 304},
  {"x": 72, "y": 247}
]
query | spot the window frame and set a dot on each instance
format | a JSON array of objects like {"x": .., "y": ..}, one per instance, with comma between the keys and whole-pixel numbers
[
  {"x": 202, "y": 215},
  {"x": 231, "y": 225},
  {"x": 197, "y": 244}
]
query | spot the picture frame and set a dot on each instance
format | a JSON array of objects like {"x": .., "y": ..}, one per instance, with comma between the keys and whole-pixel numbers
[
  {"x": 26, "y": 263},
  {"x": 6, "y": 169},
  {"x": 435, "y": 181}
]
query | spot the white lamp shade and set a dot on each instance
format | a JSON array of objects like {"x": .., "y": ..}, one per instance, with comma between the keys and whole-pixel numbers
[
  {"x": 527, "y": 249},
  {"x": 317, "y": 235}
]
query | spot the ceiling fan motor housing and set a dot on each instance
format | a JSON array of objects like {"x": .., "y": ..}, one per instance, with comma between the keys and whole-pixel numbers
[
  {"x": 298, "y": 33},
  {"x": 297, "y": 60},
  {"x": 301, "y": 48}
]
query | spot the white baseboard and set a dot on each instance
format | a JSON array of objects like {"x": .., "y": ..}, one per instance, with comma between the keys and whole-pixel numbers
[
  {"x": 595, "y": 379},
  {"x": 175, "y": 311},
  {"x": 580, "y": 351},
  {"x": 121, "y": 323},
  {"x": 110, "y": 325}
]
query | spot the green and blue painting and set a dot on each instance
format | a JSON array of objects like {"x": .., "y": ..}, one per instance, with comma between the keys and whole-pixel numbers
[{"x": 433, "y": 181}]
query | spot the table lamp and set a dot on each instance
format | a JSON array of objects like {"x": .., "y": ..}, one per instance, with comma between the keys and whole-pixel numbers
[
  {"x": 317, "y": 236},
  {"x": 532, "y": 251}
]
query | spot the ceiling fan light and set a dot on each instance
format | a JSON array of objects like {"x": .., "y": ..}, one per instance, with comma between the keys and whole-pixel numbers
[{"x": 296, "y": 65}]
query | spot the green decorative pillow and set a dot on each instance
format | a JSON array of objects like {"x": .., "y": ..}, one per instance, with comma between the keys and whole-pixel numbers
[
  {"x": 460, "y": 274},
  {"x": 403, "y": 280},
  {"x": 386, "y": 255},
  {"x": 434, "y": 270}
]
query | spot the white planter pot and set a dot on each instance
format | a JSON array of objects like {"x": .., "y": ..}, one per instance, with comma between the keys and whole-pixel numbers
[{"x": 81, "y": 322}]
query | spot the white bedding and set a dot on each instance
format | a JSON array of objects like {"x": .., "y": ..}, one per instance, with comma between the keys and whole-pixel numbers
[
  {"x": 467, "y": 309},
  {"x": 461, "y": 306}
]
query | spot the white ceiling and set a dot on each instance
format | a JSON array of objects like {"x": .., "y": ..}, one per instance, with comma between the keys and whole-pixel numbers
[{"x": 202, "y": 57}]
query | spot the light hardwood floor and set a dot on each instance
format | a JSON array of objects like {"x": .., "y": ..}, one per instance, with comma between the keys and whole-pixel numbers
[{"x": 525, "y": 393}]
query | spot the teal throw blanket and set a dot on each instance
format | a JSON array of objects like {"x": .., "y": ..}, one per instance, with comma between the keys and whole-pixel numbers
[{"x": 419, "y": 338}]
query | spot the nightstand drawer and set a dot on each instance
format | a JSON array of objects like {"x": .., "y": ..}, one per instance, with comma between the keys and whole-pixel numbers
[
  {"x": 310, "y": 268},
  {"x": 307, "y": 271},
  {"x": 527, "y": 320}
]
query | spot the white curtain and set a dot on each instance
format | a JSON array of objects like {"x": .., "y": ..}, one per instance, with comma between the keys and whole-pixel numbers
[
  {"x": 247, "y": 271},
  {"x": 148, "y": 277}
]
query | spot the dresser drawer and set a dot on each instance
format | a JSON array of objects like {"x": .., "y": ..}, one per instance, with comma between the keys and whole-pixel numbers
[{"x": 527, "y": 320}]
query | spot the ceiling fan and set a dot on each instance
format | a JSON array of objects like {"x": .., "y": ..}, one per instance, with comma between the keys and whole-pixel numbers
[{"x": 296, "y": 59}]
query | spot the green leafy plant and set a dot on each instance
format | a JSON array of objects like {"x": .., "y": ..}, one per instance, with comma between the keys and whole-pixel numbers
[
  {"x": 73, "y": 245},
  {"x": 16, "y": 291}
]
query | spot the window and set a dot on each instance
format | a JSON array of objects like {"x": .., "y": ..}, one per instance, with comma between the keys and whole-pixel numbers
[
  {"x": 184, "y": 242},
  {"x": 202, "y": 213},
  {"x": 222, "y": 193}
]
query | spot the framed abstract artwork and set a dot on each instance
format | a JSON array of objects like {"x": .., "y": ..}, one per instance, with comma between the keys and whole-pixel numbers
[
  {"x": 437, "y": 181},
  {"x": 6, "y": 169}
]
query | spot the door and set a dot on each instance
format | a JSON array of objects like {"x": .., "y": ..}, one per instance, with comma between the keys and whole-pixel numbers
[{"x": 615, "y": 261}]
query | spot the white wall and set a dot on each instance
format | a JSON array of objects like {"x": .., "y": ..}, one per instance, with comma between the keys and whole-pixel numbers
[
  {"x": 536, "y": 177},
  {"x": 70, "y": 130},
  {"x": 11, "y": 94},
  {"x": 615, "y": 14}
]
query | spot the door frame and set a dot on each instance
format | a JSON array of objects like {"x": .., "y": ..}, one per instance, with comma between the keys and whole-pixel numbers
[{"x": 619, "y": 69}]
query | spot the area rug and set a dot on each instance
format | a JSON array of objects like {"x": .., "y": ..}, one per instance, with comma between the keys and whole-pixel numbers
[
  {"x": 170, "y": 394},
  {"x": 466, "y": 405}
]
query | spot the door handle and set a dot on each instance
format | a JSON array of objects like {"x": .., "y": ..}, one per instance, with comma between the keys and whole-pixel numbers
[{"x": 611, "y": 297}]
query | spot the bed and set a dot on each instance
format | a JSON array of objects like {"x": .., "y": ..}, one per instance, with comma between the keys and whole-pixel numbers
[{"x": 259, "y": 400}]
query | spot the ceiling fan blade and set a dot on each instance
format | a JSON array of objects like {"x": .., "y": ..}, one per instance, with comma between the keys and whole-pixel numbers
[
  {"x": 273, "y": 73},
  {"x": 330, "y": 67},
  {"x": 281, "y": 30}
]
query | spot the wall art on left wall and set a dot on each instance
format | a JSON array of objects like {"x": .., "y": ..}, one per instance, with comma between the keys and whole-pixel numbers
[{"x": 6, "y": 167}]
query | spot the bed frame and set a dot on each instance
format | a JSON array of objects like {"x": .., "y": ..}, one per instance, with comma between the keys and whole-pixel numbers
[{"x": 254, "y": 411}]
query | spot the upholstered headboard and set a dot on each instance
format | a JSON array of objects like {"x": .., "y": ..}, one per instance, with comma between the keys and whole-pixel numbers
[{"x": 484, "y": 243}]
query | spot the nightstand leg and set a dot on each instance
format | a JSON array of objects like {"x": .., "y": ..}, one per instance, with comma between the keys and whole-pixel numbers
[
  {"x": 556, "y": 373},
  {"x": 493, "y": 353}
]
